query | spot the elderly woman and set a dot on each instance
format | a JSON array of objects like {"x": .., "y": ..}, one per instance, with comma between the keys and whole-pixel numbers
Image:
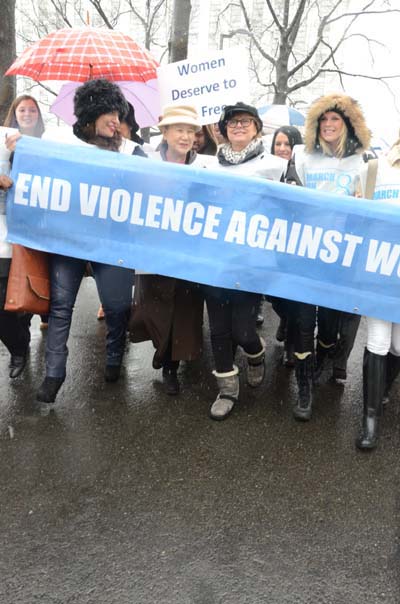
[
  {"x": 232, "y": 314},
  {"x": 99, "y": 107},
  {"x": 166, "y": 310}
]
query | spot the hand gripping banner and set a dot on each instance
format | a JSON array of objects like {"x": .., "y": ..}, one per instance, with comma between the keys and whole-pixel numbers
[{"x": 207, "y": 226}]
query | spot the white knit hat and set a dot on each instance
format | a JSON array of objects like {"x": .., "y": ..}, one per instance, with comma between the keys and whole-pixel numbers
[{"x": 180, "y": 114}]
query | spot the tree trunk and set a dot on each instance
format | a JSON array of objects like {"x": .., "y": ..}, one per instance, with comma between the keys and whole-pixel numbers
[
  {"x": 178, "y": 43},
  {"x": 7, "y": 55}
]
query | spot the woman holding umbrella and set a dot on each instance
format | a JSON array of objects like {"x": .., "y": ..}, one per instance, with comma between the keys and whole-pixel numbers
[{"x": 99, "y": 107}]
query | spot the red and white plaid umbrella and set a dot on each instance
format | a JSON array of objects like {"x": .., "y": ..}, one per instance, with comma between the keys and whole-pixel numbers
[{"x": 82, "y": 54}]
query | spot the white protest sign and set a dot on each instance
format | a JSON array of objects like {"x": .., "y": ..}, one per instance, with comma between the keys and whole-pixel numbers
[{"x": 208, "y": 82}]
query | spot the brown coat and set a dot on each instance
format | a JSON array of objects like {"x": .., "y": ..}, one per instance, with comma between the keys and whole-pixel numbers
[{"x": 164, "y": 307}]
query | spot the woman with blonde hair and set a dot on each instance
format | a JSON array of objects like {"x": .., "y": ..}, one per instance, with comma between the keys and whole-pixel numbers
[{"x": 336, "y": 135}]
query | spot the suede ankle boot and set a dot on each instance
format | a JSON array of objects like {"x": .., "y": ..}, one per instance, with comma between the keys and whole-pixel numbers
[{"x": 228, "y": 384}]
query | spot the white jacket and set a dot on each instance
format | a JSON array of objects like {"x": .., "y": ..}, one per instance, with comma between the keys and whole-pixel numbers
[{"x": 330, "y": 174}]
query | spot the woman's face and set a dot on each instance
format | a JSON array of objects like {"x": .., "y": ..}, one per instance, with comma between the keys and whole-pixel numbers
[
  {"x": 107, "y": 124},
  {"x": 282, "y": 146},
  {"x": 241, "y": 129},
  {"x": 27, "y": 116},
  {"x": 180, "y": 139},
  {"x": 331, "y": 128},
  {"x": 199, "y": 140}
]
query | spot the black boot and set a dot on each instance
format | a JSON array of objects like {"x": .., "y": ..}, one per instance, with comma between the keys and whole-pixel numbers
[
  {"x": 392, "y": 371},
  {"x": 112, "y": 373},
  {"x": 348, "y": 327},
  {"x": 289, "y": 346},
  {"x": 17, "y": 365},
  {"x": 374, "y": 376},
  {"x": 304, "y": 369},
  {"x": 171, "y": 382},
  {"x": 48, "y": 389},
  {"x": 281, "y": 331},
  {"x": 324, "y": 361}
]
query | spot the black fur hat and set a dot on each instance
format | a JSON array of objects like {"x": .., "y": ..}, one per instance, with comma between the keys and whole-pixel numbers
[{"x": 95, "y": 98}]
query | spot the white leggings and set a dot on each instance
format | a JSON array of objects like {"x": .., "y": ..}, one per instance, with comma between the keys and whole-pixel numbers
[{"x": 383, "y": 336}]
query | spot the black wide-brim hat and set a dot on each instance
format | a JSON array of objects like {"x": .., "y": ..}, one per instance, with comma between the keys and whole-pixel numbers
[
  {"x": 95, "y": 98},
  {"x": 239, "y": 107}
]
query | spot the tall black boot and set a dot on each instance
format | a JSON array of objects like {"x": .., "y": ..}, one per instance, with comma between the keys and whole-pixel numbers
[
  {"x": 289, "y": 346},
  {"x": 348, "y": 327},
  {"x": 324, "y": 361},
  {"x": 374, "y": 377},
  {"x": 392, "y": 371},
  {"x": 304, "y": 369}
]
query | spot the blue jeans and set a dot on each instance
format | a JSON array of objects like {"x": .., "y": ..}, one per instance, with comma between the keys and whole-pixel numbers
[{"x": 114, "y": 285}]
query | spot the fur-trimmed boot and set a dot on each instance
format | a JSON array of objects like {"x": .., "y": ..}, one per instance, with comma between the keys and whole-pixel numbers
[
  {"x": 256, "y": 367},
  {"x": 304, "y": 370},
  {"x": 374, "y": 378},
  {"x": 392, "y": 371},
  {"x": 228, "y": 384}
]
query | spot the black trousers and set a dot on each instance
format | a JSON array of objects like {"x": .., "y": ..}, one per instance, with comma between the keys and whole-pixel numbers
[
  {"x": 331, "y": 324},
  {"x": 14, "y": 327},
  {"x": 232, "y": 317}
]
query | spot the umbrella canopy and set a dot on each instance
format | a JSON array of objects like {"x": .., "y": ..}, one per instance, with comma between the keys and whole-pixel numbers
[
  {"x": 144, "y": 97},
  {"x": 83, "y": 54},
  {"x": 281, "y": 115}
]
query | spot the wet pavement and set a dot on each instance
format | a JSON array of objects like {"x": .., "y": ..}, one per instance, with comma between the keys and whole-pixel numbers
[{"x": 127, "y": 496}]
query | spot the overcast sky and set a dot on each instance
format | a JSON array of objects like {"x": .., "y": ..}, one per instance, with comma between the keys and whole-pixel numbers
[{"x": 380, "y": 107}]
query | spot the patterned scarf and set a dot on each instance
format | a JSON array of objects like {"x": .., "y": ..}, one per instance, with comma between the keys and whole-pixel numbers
[{"x": 226, "y": 153}]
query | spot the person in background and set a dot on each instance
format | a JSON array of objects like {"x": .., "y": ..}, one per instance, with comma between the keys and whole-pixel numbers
[
  {"x": 336, "y": 135},
  {"x": 218, "y": 135},
  {"x": 283, "y": 141},
  {"x": 167, "y": 310},
  {"x": 205, "y": 142},
  {"x": 381, "y": 363},
  {"x": 25, "y": 115},
  {"x": 232, "y": 313},
  {"x": 99, "y": 107}
]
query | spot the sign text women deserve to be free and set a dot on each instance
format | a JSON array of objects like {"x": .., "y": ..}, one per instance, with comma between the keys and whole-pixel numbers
[{"x": 208, "y": 82}]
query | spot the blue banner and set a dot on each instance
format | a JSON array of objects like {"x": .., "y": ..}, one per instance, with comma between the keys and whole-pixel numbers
[{"x": 207, "y": 226}]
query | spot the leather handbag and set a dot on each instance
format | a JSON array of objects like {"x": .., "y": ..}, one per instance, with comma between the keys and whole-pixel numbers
[{"x": 28, "y": 287}]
